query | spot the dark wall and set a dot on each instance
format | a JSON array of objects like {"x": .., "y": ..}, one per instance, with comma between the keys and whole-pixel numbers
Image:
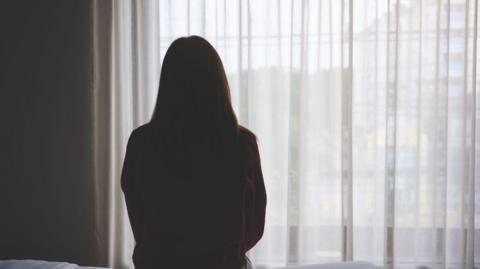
[{"x": 45, "y": 136}]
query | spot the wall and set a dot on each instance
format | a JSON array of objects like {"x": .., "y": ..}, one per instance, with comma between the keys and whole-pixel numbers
[{"x": 45, "y": 136}]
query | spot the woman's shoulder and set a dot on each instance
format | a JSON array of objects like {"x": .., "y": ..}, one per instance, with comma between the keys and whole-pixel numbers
[
  {"x": 139, "y": 134},
  {"x": 247, "y": 139},
  {"x": 248, "y": 143},
  {"x": 246, "y": 135},
  {"x": 142, "y": 129}
]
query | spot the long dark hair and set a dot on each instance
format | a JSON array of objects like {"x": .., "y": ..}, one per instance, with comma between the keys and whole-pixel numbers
[{"x": 194, "y": 112}]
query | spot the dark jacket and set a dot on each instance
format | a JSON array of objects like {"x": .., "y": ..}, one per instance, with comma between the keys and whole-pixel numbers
[{"x": 200, "y": 222}]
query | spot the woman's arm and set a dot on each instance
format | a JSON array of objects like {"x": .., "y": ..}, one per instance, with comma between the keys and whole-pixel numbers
[
  {"x": 256, "y": 201},
  {"x": 128, "y": 181}
]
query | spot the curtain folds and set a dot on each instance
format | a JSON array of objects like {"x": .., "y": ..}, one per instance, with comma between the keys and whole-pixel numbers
[{"x": 366, "y": 113}]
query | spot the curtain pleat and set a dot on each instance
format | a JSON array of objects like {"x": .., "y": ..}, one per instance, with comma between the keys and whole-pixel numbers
[
  {"x": 473, "y": 223},
  {"x": 347, "y": 168},
  {"x": 366, "y": 115},
  {"x": 292, "y": 213}
]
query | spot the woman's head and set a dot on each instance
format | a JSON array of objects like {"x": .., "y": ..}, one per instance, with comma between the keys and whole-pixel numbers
[
  {"x": 193, "y": 113},
  {"x": 193, "y": 90}
]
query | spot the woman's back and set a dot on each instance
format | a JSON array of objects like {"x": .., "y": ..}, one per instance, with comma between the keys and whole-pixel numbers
[{"x": 197, "y": 206}]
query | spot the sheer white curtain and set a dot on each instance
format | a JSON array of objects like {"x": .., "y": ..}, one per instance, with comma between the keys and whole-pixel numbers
[{"x": 366, "y": 113}]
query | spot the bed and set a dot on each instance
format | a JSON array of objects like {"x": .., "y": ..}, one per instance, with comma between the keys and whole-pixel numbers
[
  {"x": 335, "y": 265},
  {"x": 36, "y": 264}
]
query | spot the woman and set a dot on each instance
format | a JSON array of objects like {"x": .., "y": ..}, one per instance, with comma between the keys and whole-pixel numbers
[{"x": 192, "y": 179}]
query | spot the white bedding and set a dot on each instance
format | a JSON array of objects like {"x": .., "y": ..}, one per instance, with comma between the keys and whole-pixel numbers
[
  {"x": 336, "y": 265},
  {"x": 35, "y": 264}
]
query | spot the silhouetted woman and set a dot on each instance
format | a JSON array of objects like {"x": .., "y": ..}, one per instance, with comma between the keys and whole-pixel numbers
[{"x": 192, "y": 178}]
